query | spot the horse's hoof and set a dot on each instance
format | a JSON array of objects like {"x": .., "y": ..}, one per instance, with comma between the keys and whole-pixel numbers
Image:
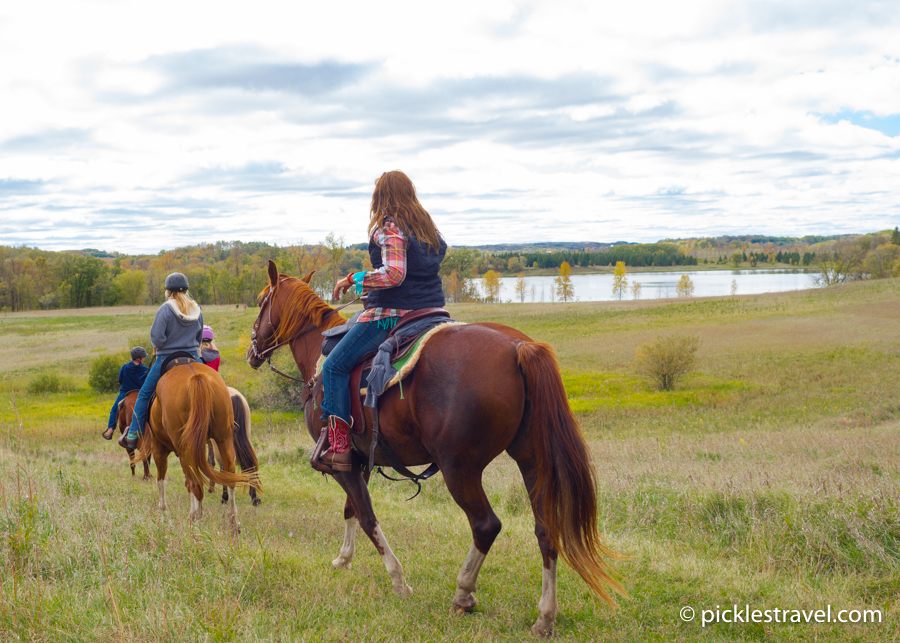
[
  {"x": 543, "y": 627},
  {"x": 257, "y": 502},
  {"x": 340, "y": 563},
  {"x": 464, "y": 604},
  {"x": 403, "y": 591}
]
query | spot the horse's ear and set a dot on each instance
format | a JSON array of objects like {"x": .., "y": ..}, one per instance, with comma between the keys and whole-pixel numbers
[
  {"x": 273, "y": 274},
  {"x": 308, "y": 277}
]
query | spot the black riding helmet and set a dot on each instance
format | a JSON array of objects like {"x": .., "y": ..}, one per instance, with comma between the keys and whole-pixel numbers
[
  {"x": 138, "y": 352},
  {"x": 176, "y": 281}
]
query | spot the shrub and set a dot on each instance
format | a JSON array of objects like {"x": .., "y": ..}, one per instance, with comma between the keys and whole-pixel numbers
[
  {"x": 45, "y": 383},
  {"x": 664, "y": 360},
  {"x": 104, "y": 374}
]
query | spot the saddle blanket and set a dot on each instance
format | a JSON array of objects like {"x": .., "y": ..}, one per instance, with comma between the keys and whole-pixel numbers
[{"x": 403, "y": 365}]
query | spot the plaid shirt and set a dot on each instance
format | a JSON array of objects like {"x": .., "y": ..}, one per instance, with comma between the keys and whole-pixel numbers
[{"x": 393, "y": 245}]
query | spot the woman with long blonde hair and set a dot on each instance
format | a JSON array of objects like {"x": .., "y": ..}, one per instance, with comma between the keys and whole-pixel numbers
[
  {"x": 177, "y": 326},
  {"x": 406, "y": 250}
]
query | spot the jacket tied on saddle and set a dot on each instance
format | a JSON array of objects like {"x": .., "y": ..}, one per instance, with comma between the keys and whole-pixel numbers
[{"x": 383, "y": 371}]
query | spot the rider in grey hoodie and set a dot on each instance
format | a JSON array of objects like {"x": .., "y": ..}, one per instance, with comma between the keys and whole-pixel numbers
[{"x": 174, "y": 329}]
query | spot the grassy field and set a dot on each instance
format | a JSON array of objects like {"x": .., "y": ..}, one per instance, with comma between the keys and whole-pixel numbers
[{"x": 768, "y": 478}]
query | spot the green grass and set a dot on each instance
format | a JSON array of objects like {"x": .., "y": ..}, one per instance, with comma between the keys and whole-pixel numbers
[{"x": 768, "y": 477}]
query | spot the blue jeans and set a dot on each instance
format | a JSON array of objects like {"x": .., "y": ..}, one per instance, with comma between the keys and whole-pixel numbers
[
  {"x": 143, "y": 399},
  {"x": 363, "y": 338},
  {"x": 115, "y": 407}
]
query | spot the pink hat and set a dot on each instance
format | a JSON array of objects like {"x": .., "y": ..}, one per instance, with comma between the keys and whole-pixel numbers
[{"x": 207, "y": 332}]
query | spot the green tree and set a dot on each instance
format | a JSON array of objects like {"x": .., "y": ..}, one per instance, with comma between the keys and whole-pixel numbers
[
  {"x": 895, "y": 236},
  {"x": 736, "y": 259},
  {"x": 620, "y": 283}
]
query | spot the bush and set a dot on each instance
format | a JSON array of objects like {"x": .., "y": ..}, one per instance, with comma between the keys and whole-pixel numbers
[
  {"x": 104, "y": 373},
  {"x": 45, "y": 383},
  {"x": 664, "y": 360}
]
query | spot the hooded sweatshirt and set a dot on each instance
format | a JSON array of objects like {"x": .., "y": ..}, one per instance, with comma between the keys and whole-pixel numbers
[
  {"x": 210, "y": 357},
  {"x": 173, "y": 331}
]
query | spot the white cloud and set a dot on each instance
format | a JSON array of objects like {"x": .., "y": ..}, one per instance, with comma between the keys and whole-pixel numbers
[{"x": 518, "y": 121}]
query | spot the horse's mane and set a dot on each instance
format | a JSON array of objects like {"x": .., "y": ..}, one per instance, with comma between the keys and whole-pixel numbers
[{"x": 299, "y": 306}]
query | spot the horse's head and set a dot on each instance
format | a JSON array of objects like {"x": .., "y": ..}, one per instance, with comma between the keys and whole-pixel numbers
[{"x": 287, "y": 306}]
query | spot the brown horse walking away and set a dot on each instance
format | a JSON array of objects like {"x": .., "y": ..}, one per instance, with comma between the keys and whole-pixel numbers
[
  {"x": 476, "y": 391},
  {"x": 123, "y": 420},
  {"x": 193, "y": 406}
]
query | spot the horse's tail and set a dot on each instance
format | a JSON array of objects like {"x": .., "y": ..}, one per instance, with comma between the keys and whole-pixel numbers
[
  {"x": 244, "y": 452},
  {"x": 566, "y": 482},
  {"x": 196, "y": 433}
]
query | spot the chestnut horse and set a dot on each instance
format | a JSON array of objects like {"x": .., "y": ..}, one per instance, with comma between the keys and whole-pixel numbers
[
  {"x": 192, "y": 406},
  {"x": 123, "y": 420},
  {"x": 476, "y": 391}
]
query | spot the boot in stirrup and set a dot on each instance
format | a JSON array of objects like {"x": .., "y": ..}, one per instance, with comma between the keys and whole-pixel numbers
[{"x": 337, "y": 457}]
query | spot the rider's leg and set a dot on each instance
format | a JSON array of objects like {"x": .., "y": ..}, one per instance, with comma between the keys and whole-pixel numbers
[
  {"x": 360, "y": 340},
  {"x": 141, "y": 410},
  {"x": 111, "y": 425}
]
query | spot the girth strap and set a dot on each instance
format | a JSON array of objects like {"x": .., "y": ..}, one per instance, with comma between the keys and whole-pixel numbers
[{"x": 394, "y": 462}]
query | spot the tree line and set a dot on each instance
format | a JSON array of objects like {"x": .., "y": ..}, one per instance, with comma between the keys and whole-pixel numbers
[{"x": 635, "y": 254}]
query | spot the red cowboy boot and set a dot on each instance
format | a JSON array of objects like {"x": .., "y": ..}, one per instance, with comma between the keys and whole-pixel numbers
[{"x": 337, "y": 457}]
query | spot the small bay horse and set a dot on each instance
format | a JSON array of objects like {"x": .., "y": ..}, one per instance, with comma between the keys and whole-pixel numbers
[
  {"x": 192, "y": 406},
  {"x": 123, "y": 420},
  {"x": 476, "y": 391}
]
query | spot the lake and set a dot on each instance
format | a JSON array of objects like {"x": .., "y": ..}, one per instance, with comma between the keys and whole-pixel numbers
[{"x": 661, "y": 285}]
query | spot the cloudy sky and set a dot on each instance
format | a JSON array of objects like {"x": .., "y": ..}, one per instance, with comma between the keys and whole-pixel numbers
[{"x": 137, "y": 126}]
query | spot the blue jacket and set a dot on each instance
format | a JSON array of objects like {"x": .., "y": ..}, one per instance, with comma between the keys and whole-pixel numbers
[{"x": 131, "y": 376}]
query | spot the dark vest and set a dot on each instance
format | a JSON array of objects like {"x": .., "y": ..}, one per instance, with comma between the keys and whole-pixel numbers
[{"x": 422, "y": 286}]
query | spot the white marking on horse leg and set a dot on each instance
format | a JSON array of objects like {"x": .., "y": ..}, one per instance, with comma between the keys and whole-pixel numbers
[
  {"x": 232, "y": 512},
  {"x": 345, "y": 557},
  {"x": 161, "y": 484},
  {"x": 464, "y": 599},
  {"x": 547, "y": 606},
  {"x": 196, "y": 512},
  {"x": 393, "y": 566}
]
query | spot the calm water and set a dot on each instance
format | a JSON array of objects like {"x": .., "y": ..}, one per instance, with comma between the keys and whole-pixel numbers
[{"x": 661, "y": 285}]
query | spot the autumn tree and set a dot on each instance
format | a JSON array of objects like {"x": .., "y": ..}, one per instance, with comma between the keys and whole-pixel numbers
[
  {"x": 636, "y": 289},
  {"x": 620, "y": 283},
  {"x": 492, "y": 286},
  {"x": 684, "y": 287},
  {"x": 521, "y": 287},
  {"x": 563, "y": 283}
]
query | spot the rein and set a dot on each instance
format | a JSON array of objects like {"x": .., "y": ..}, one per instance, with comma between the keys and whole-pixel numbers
[{"x": 267, "y": 353}]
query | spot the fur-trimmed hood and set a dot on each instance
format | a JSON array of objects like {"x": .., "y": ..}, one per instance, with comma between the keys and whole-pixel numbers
[{"x": 193, "y": 312}]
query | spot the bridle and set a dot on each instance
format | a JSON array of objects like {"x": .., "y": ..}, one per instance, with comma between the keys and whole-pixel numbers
[{"x": 267, "y": 353}]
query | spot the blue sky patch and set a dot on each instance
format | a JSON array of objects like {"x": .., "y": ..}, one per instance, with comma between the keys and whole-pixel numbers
[{"x": 887, "y": 125}]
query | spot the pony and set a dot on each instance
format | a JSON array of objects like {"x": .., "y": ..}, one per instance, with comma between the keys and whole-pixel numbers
[
  {"x": 193, "y": 406},
  {"x": 246, "y": 456},
  {"x": 123, "y": 420},
  {"x": 477, "y": 390}
]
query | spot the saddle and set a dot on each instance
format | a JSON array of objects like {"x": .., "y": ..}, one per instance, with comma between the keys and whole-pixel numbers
[{"x": 178, "y": 358}]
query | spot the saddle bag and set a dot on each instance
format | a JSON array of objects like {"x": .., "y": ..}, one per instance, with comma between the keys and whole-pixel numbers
[{"x": 334, "y": 335}]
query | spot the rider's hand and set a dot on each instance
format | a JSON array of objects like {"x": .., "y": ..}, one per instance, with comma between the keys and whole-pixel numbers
[{"x": 341, "y": 287}]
